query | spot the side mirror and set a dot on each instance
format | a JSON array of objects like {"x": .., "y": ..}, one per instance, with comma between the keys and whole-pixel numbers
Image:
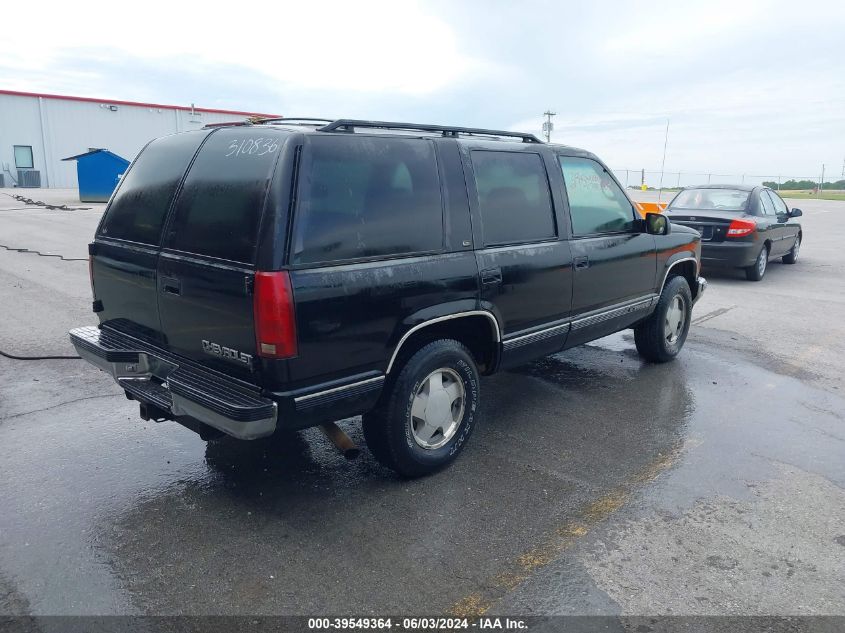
[
  {"x": 656, "y": 224},
  {"x": 796, "y": 213}
]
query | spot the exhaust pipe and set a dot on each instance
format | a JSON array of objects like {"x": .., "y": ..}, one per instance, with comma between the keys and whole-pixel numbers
[{"x": 341, "y": 440}]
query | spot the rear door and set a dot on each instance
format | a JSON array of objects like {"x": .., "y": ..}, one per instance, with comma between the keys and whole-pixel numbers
[
  {"x": 381, "y": 235},
  {"x": 768, "y": 227},
  {"x": 615, "y": 263},
  {"x": 207, "y": 263},
  {"x": 524, "y": 262},
  {"x": 125, "y": 250},
  {"x": 786, "y": 233}
]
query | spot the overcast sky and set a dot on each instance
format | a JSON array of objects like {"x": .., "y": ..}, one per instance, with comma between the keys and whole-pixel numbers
[{"x": 749, "y": 87}]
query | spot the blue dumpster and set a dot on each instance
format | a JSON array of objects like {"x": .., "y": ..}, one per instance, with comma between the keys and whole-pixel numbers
[{"x": 98, "y": 172}]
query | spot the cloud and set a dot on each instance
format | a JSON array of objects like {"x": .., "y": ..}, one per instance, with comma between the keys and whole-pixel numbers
[
  {"x": 682, "y": 28},
  {"x": 748, "y": 86},
  {"x": 374, "y": 46}
]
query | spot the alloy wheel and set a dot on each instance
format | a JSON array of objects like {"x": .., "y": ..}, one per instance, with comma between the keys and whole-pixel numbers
[
  {"x": 762, "y": 260},
  {"x": 438, "y": 408},
  {"x": 676, "y": 317}
]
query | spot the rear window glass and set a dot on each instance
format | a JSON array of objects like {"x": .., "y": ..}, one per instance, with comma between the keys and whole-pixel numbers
[
  {"x": 219, "y": 208},
  {"x": 712, "y": 199},
  {"x": 365, "y": 196},
  {"x": 140, "y": 205},
  {"x": 513, "y": 197}
]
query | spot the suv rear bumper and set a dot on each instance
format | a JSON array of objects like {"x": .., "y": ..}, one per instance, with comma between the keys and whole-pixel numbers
[{"x": 161, "y": 380}]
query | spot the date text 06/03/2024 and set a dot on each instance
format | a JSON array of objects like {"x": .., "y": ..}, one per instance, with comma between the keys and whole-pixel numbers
[{"x": 416, "y": 624}]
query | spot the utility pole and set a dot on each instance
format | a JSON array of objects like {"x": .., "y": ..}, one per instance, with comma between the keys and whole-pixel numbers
[
  {"x": 548, "y": 126},
  {"x": 821, "y": 182}
]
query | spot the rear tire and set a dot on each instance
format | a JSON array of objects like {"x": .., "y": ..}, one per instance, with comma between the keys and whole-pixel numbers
[
  {"x": 792, "y": 256},
  {"x": 660, "y": 337},
  {"x": 757, "y": 270},
  {"x": 427, "y": 413}
]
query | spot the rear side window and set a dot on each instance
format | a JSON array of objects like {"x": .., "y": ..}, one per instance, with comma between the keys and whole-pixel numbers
[
  {"x": 513, "y": 197},
  {"x": 596, "y": 203},
  {"x": 780, "y": 205},
  {"x": 218, "y": 210},
  {"x": 365, "y": 197},
  {"x": 140, "y": 205},
  {"x": 766, "y": 203}
]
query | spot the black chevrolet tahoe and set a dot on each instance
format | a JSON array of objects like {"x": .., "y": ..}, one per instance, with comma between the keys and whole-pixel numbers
[{"x": 279, "y": 274}]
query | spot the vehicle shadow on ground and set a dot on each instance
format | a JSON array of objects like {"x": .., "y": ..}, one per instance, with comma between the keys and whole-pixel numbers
[
  {"x": 314, "y": 533},
  {"x": 774, "y": 270}
]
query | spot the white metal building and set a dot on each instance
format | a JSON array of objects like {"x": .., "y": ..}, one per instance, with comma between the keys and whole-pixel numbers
[{"x": 38, "y": 130}]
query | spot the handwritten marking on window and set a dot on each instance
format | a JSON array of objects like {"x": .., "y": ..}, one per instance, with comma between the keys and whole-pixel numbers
[
  {"x": 252, "y": 147},
  {"x": 588, "y": 181}
]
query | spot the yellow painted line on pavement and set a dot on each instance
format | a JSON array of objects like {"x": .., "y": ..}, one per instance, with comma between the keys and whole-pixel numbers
[{"x": 520, "y": 569}]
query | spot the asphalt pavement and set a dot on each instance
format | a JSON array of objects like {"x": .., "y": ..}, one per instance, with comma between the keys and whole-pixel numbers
[{"x": 594, "y": 484}]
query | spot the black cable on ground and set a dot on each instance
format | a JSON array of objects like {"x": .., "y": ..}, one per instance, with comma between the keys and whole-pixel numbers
[
  {"x": 13, "y": 357},
  {"x": 39, "y": 203},
  {"x": 40, "y": 254}
]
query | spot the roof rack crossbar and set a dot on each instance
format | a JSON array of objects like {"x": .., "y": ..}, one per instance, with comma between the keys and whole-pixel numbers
[
  {"x": 294, "y": 120},
  {"x": 259, "y": 120},
  {"x": 209, "y": 126},
  {"x": 349, "y": 125}
]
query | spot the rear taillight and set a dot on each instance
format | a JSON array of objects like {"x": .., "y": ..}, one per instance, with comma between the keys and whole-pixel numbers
[
  {"x": 91, "y": 272},
  {"x": 738, "y": 228},
  {"x": 275, "y": 322}
]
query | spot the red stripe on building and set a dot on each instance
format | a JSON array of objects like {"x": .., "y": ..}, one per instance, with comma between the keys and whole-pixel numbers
[{"x": 16, "y": 93}]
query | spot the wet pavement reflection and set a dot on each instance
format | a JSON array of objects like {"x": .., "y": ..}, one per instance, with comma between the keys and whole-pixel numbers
[{"x": 108, "y": 514}]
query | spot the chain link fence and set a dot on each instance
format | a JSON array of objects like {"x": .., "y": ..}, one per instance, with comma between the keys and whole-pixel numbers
[{"x": 635, "y": 178}]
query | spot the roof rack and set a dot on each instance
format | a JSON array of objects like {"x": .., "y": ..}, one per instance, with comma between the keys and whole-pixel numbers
[
  {"x": 258, "y": 120},
  {"x": 208, "y": 126},
  {"x": 349, "y": 125},
  {"x": 294, "y": 120}
]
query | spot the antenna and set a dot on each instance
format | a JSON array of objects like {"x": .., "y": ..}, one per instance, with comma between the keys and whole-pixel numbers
[
  {"x": 663, "y": 164},
  {"x": 548, "y": 126}
]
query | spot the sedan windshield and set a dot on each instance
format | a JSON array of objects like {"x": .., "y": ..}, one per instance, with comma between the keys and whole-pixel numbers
[{"x": 713, "y": 199}]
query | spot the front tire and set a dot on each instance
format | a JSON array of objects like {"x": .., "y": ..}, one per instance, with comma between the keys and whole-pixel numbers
[
  {"x": 792, "y": 256},
  {"x": 428, "y": 413},
  {"x": 660, "y": 337},
  {"x": 757, "y": 270}
]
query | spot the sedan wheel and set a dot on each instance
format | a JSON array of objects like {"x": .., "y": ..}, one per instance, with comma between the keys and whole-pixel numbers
[
  {"x": 792, "y": 256},
  {"x": 756, "y": 271}
]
